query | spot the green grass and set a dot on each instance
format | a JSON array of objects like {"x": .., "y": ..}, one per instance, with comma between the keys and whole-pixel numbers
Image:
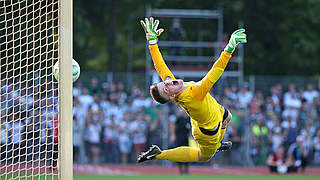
[{"x": 191, "y": 177}]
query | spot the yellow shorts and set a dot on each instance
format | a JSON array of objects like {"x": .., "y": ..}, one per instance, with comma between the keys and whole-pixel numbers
[{"x": 207, "y": 144}]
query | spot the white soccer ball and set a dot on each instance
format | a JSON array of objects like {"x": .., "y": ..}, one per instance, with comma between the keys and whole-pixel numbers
[
  {"x": 75, "y": 70},
  {"x": 282, "y": 169}
]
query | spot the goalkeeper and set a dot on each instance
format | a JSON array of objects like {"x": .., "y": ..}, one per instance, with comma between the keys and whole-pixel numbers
[{"x": 208, "y": 118}]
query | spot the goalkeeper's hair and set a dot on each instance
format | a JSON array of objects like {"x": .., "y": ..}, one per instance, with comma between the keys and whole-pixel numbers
[{"x": 154, "y": 91}]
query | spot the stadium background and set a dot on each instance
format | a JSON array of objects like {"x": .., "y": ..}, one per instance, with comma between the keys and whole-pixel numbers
[{"x": 115, "y": 118}]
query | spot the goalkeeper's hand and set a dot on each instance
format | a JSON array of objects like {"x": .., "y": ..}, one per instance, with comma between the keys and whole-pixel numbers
[
  {"x": 237, "y": 37},
  {"x": 150, "y": 28}
]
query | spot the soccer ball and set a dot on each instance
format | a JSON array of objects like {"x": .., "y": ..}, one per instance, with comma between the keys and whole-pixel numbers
[{"x": 75, "y": 70}]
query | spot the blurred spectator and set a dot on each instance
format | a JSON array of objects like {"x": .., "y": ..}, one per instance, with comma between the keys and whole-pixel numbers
[
  {"x": 297, "y": 155},
  {"x": 180, "y": 130},
  {"x": 277, "y": 161},
  {"x": 113, "y": 109},
  {"x": 276, "y": 138},
  {"x": 310, "y": 94},
  {"x": 260, "y": 132},
  {"x": 5, "y": 138},
  {"x": 110, "y": 139},
  {"x": 244, "y": 96},
  {"x": 291, "y": 132},
  {"x": 85, "y": 99},
  {"x": 18, "y": 128},
  {"x": 155, "y": 128},
  {"x": 276, "y": 98},
  {"x": 125, "y": 143},
  {"x": 292, "y": 103},
  {"x": 135, "y": 91},
  {"x": 141, "y": 101},
  {"x": 256, "y": 103},
  {"x": 77, "y": 89},
  {"x": 122, "y": 93},
  {"x": 303, "y": 114},
  {"x": 95, "y": 87},
  {"x": 138, "y": 128},
  {"x": 316, "y": 147},
  {"x": 94, "y": 120}
]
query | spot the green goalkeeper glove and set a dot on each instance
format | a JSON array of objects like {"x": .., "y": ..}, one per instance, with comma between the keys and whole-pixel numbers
[
  {"x": 150, "y": 28},
  {"x": 237, "y": 37}
]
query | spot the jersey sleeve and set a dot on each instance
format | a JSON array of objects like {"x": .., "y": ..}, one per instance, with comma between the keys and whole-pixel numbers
[
  {"x": 201, "y": 88},
  {"x": 159, "y": 63}
]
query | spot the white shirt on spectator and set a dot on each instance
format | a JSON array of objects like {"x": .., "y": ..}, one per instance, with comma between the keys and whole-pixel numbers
[
  {"x": 94, "y": 131},
  {"x": 5, "y": 127},
  {"x": 17, "y": 128},
  {"x": 111, "y": 130},
  {"x": 141, "y": 102},
  {"x": 316, "y": 144},
  {"x": 292, "y": 105},
  {"x": 45, "y": 126},
  {"x": 113, "y": 110},
  {"x": 277, "y": 140},
  {"x": 285, "y": 124},
  {"x": 244, "y": 98},
  {"x": 124, "y": 132},
  {"x": 138, "y": 130},
  {"x": 310, "y": 96},
  {"x": 85, "y": 100}
]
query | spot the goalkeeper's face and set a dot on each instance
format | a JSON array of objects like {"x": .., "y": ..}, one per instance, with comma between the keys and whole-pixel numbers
[{"x": 170, "y": 88}]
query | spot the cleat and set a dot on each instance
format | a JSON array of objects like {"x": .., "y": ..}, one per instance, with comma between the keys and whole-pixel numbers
[
  {"x": 150, "y": 154},
  {"x": 225, "y": 146}
]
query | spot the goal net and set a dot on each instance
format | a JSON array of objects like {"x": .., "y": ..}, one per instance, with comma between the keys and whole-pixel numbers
[{"x": 29, "y": 47}]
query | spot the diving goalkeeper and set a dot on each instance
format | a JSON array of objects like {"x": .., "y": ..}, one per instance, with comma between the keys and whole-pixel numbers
[{"x": 208, "y": 118}]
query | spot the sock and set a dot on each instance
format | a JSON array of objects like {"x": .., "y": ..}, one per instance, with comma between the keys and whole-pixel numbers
[
  {"x": 180, "y": 154},
  {"x": 222, "y": 132}
]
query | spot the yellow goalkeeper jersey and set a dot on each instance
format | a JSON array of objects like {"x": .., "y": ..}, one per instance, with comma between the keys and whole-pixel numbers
[{"x": 196, "y": 100}]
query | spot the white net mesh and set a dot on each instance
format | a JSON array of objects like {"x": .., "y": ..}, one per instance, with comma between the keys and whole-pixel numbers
[{"x": 29, "y": 94}]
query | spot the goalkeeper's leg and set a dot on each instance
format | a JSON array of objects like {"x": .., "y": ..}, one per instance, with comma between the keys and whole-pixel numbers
[{"x": 179, "y": 154}]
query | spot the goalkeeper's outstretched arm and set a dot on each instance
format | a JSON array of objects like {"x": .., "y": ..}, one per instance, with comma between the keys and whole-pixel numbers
[
  {"x": 203, "y": 87},
  {"x": 150, "y": 28}
]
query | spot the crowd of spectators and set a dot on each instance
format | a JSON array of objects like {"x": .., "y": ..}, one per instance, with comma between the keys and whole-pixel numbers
[
  {"x": 113, "y": 125},
  {"x": 117, "y": 125},
  {"x": 284, "y": 125},
  {"x": 28, "y": 123}
]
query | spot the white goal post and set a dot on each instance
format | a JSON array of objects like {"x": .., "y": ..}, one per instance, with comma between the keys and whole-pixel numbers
[
  {"x": 35, "y": 109},
  {"x": 65, "y": 90}
]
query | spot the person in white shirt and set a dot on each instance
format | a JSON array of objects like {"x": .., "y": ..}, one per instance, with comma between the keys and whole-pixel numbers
[
  {"x": 141, "y": 101},
  {"x": 94, "y": 131},
  {"x": 85, "y": 99},
  {"x": 310, "y": 94},
  {"x": 292, "y": 104},
  {"x": 111, "y": 139},
  {"x": 138, "y": 129},
  {"x": 244, "y": 97},
  {"x": 4, "y": 138},
  {"x": 316, "y": 148}
]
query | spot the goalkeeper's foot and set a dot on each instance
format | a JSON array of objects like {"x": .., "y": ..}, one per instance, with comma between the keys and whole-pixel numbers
[
  {"x": 153, "y": 151},
  {"x": 225, "y": 146}
]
